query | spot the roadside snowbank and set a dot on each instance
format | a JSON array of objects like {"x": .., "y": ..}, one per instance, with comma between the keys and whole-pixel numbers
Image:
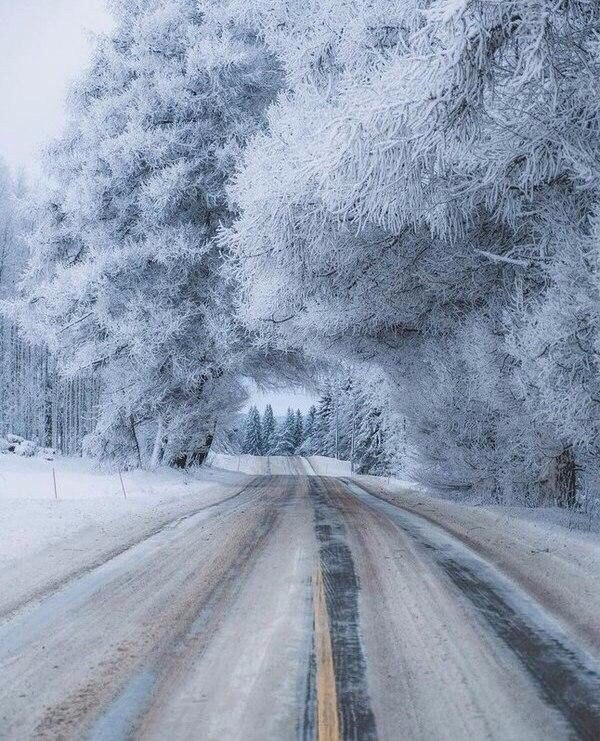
[
  {"x": 44, "y": 539},
  {"x": 313, "y": 465},
  {"x": 258, "y": 464},
  {"x": 560, "y": 567},
  {"x": 322, "y": 466}
]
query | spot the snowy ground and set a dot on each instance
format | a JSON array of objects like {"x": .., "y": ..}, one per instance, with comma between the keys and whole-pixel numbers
[
  {"x": 313, "y": 465},
  {"x": 44, "y": 540},
  {"x": 237, "y": 606},
  {"x": 31, "y": 517},
  {"x": 559, "y": 565}
]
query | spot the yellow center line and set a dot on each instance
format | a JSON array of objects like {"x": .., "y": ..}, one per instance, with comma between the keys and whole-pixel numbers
[{"x": 328, "y": 724}]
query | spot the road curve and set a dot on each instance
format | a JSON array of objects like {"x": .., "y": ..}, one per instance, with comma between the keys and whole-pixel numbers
[{"x": 301, "y": 608}]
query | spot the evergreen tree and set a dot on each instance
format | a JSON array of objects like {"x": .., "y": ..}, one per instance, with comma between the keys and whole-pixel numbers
[
  {"x": 286, "y": 440},
  {"x": 298, "y": 430},
  {"x": 252, "y": 435},
  {"x": 370, "y": 450},
  {"x": 345, "y": 417},
  {"x": 324, "y": 430},
  {"x": 308, "y": 443},
  {"x": 268, "y": 430}
]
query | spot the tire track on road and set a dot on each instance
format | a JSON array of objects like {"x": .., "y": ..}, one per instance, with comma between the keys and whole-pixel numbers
[{"x": 120, "y": 719}]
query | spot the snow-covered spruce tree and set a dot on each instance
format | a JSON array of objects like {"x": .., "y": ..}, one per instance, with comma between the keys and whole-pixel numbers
[
  {"x": 324, "y": 429},
  {"x": 430, "y": 181},
  {"x": 298, "y": 430},
  {"x": 286, "y": 435},
  {"x": 124, "y": 277},
  {"x": 370, "y": 453},
  {"x": 268, "y": 430},
  {"x": 308, "y": 443},
  {"x": 253, "y": 442},
  {"x": 369, "y": 433}
]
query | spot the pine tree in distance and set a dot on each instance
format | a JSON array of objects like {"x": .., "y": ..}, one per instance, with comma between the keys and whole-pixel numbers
[
  {"x": 298, "y": 430},
  {"x": 252, "y": 436},
  {"x": 286, "y": 440},
  {"x": 308, "y": 439},
  {"x": 268, "y": 429}
]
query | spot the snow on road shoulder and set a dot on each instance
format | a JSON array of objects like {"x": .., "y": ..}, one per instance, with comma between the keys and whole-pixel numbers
[
  {"x": 557, "y": 566},
  {"x": 323, "y": 466},
  {"x": 255, "y": 464},
  {"x": 43, "y": 539}
]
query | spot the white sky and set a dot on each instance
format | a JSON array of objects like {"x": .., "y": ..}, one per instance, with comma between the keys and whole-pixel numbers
[
  {"x": 45, "y": 44},
  {"x": 281, "y": 400}
]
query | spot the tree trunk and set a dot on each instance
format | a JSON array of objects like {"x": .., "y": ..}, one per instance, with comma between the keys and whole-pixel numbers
[
  {"x": 135, "y": 440},
  {"x": 566, "y": 478},
  {"x": 159, "y": 446}
]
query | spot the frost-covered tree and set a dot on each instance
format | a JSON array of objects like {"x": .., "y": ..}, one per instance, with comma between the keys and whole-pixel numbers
[
  {"x": 324, "y": 431},
  {"x": 36, "y": 402},
  {"x": 379, "y": 437},
  {"x": 298, "y": 430},
  {"x": 308, "y": 446},
  {"x": 428, "y": 190},
  {"x": 370, "y": 434},
  {"x": 286, "y": 435},
  {"x": 268, "y": 430},
  {"x": 253, "y": 442},
  {"x": 369, "y": 454},
  {"x": 12, "y": 249},
  {"x": 124, "y": 278}
]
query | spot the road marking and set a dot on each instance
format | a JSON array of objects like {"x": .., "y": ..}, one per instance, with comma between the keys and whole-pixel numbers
[{"x": 328, "y": 724}]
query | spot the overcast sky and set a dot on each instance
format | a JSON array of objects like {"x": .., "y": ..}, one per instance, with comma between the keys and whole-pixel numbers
[
  {"x": 281, "y": 400},
  {"x": 44, "y": 43}
]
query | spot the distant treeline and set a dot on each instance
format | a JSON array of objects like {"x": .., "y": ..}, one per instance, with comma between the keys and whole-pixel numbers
[{"x": 347, "y": 423}]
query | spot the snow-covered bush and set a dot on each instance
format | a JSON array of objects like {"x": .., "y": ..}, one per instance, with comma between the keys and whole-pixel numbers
[
  {"x": 26, "y": 448},
  {"x": 48, "y": 454}
]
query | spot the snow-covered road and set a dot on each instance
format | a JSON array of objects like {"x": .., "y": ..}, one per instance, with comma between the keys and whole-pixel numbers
[{"x": 298, "y": 607}]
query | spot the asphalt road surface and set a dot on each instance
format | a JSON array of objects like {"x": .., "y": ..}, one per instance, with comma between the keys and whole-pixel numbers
[{"x": 298, "y": 608}]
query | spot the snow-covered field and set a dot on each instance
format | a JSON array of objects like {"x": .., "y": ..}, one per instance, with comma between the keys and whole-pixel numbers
[{"x": 31, "y": 517}]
